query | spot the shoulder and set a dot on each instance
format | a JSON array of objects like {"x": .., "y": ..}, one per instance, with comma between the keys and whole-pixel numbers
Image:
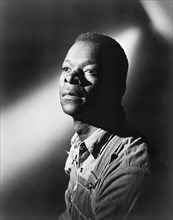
[
  {"x": 133, "y": 151},
  {"x": 137, "y": 154}
]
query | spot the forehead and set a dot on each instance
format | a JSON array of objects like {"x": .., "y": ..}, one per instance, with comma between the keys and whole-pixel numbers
[{"x": 83, "y": 51}]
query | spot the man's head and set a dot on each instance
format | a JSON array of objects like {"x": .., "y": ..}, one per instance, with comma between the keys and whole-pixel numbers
[{"x": 93, "y": 76}]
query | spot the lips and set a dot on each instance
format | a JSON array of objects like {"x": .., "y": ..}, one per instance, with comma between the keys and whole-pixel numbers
[{"x": 73, "y": 94}]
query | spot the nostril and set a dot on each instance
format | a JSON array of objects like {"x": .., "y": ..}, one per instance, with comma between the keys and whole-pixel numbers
[
  {"x": 72, "y": 80},
  {"x": 65, "y": 80}
]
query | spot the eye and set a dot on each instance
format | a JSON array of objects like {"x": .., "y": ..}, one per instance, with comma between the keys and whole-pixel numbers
[
  {"x": 65, "y": 69},
  {"x": 90, "y": 71}
]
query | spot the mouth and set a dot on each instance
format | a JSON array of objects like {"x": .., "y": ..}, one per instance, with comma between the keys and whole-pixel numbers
[
  {"x": 72, "y": 97},
  {"x": 76, "y": 95}
]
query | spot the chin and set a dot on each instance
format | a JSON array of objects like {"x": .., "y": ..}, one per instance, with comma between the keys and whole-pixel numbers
[{"x": 72, "y": 110}]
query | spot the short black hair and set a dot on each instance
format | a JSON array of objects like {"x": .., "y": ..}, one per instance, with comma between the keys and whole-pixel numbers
[
  {"x": 112, "y": 52},
  {"x": 106, "y": 42}
]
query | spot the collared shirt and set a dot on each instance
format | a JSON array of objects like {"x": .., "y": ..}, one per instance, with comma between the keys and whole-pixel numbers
[
  {"x": 122, "y": 180},
  {"x": 95, "y": 146}
]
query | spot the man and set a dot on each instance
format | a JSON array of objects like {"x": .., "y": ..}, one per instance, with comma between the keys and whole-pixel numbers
[{"x": 108, "y": 163}]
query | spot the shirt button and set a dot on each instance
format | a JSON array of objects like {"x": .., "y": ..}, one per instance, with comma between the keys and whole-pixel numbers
[{"x": 90, "y": 186}]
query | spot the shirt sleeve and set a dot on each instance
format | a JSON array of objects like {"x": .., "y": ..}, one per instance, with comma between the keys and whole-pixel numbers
[
  {"x": 119, "y": 193},
  {"x": 122, "y": 184}
]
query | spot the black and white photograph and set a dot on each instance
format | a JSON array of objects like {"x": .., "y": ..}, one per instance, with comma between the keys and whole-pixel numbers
[{"x": 86, "y": 109}]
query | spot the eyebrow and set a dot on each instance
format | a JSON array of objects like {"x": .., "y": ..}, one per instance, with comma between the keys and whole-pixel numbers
[{"x": 87, "y": 62}]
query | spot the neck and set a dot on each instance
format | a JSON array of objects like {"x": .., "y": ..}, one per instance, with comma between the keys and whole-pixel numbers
[
  {"x": 84, "y": 130},
  {"x": 107, "y": 120}
]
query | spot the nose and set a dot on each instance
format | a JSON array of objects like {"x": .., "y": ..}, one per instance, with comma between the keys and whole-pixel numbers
[{"x": 73, "y": 78}]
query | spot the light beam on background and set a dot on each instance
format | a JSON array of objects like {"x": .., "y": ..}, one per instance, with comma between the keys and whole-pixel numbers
[
  {"x": 129, "y": 40},
  {"x": 160, "y": 13},
  {"x": 29, "y": 128}
]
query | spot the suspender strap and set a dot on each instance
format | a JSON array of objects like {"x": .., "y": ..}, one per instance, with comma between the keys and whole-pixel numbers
[{"x": 114, "y": 142}]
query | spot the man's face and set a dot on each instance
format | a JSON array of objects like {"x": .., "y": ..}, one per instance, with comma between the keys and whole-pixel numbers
[{"x": 80, "y": 81}]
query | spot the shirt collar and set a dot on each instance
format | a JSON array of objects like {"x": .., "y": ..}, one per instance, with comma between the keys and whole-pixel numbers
[{"x": 94, "y": 142}]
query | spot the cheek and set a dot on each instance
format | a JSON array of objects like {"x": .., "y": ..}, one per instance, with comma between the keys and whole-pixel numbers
[
  {"x": 93, "y": 85},
  {"x": 97, "y": 87},
  {"x": 93, "y": 95},
  {"x": 61, "y": 82}
]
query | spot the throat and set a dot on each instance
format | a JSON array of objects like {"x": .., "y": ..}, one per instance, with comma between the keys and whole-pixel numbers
[{"x": 83, "y": 130}]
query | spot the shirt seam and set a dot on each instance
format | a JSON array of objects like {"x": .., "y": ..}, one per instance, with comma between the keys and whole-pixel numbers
[
  {"x": 80, "y": 212},
  {"x": 134, "y": 169}
]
